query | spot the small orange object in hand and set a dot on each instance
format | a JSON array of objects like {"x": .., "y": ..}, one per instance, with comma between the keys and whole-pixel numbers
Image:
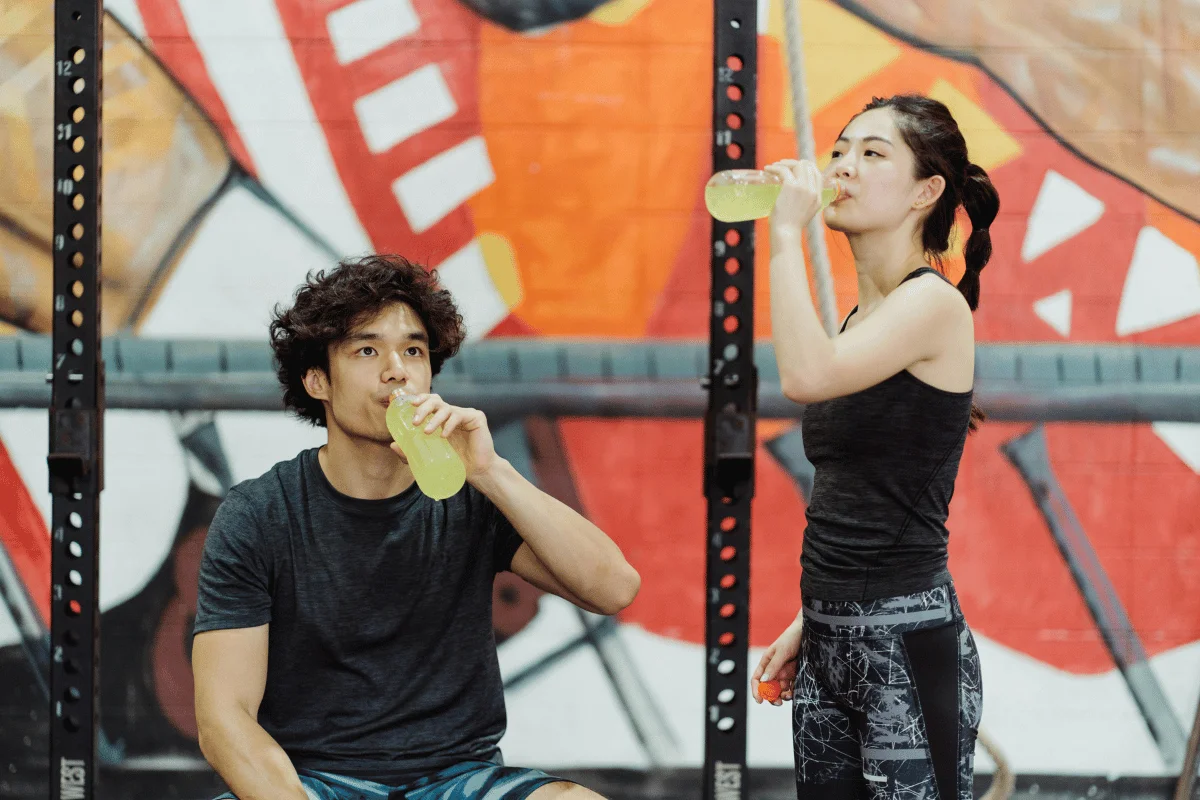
[{"x": 769, "y": 690}]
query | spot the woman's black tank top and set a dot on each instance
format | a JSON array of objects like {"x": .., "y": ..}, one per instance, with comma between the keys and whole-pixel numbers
[{"x": 886, "y": 459}]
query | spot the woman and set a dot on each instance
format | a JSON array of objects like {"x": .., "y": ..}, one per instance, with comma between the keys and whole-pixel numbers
[{"x": 883, "y": 670}]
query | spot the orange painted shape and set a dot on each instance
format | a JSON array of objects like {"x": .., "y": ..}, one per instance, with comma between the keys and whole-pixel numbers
[{"x": 598, "y": 162}]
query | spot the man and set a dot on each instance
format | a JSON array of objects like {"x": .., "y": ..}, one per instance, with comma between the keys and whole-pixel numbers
[{"x": 343, "y": 642}]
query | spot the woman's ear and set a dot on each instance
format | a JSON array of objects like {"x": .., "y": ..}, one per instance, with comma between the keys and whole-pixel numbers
[{"x": 930, "y": 192}]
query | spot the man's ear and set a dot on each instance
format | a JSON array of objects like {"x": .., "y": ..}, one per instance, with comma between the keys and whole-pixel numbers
[
  {"x": 930, "y": 192},
  {"x": 316, "y": 383}
]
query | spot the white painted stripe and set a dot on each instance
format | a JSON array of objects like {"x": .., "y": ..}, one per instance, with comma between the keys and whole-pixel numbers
[
  {"x": 1063, "y": 209},
  {"x": 143, "y": 499},
  {"x": 245, "y": 257},
  {"x": 1161, "y": 287},
  {"x": 1184, "y": 440},
  {"x": 1055, "y": 311},
  {"x": 251, "y": 63},
  {"x": 465, "y": 275},
  {"x": 429, "y": 192},
  {"x": 254, "y": 441},
  {"x": 404, "y": 107},
  {"x": 127, "y": 13},
  {"x": 364, "y": 26},
  {"x": 1169, "y": 158}
]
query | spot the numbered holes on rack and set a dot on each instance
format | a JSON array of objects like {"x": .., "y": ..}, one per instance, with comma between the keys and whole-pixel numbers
[
  {"x": 732, "y": 266},
  {"x": 726, "y": 696},
  {"x": 727, "y": 610},
  {"x": 78, "y": 114},
  {"x": 731, "y": 323},
  {"x": 728, "y": 553},
  {"x": 728, "y": 581},
  {"x": 78, "y": 85},
  {"x": 726, "y": 639},
  {"x": 77, "y": 172},
  {"x": 735, "y": 63},
  {"x": 732, "y": 237},
  {"x": 733, "y": 150},
  {"x": 734, "y": 92},
  {"x": 733, "y": 122}
]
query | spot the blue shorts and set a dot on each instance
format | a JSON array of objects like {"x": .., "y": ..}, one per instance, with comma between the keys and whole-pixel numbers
[{"x": 470, "y": 780}]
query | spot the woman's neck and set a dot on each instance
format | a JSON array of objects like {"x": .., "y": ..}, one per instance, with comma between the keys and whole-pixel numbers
[{"x": 882, "y": 261}]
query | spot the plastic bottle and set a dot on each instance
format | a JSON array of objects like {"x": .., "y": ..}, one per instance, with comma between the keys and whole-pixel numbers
[
  {"x": 737, "y": 195},
  {"x": 435, "y": 465}
]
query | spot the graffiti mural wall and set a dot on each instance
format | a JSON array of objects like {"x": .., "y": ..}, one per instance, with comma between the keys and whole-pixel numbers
[{"x": 548, "y": 158}]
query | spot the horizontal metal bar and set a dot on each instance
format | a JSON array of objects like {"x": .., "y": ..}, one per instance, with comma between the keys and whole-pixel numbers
[
  {"x": 521, "y": 360},
  {"x": 616, "y": 378},
  {"x": 1002, "y": 401}
]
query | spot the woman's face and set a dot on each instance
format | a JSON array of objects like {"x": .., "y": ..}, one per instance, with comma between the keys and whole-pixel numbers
[{"x": 875, "y": 168}]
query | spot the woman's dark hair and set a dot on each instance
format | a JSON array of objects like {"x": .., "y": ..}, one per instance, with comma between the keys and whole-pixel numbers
[
  {"x": 329, "y": 305},
  {"x": 938, "y": 147}
]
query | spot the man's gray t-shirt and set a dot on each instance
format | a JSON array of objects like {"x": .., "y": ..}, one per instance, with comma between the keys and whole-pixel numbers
[{"x": 382, "y": 658}]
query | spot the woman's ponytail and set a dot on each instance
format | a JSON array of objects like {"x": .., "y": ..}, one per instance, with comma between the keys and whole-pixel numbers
[{"x": 982, "y": 202}]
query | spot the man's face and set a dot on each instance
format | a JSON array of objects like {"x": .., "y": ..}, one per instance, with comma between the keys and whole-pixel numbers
[{"x": 380, "y": 354}]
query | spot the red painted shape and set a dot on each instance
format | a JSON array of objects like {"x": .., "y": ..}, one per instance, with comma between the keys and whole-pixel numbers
[
  {"x": 24, "y": 535},
  {"x": 448, "y": 38}
]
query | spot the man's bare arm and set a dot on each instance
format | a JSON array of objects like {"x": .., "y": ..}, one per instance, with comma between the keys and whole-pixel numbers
[{"x": 230, "y": 669}]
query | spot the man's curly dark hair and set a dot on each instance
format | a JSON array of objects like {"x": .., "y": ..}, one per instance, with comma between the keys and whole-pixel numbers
[{"x": 330, "y": 304}]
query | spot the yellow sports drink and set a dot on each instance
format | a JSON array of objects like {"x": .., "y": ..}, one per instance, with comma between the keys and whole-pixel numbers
[
  {"x": 436, "y": 466},
  {"x": 737, "y": 195}
]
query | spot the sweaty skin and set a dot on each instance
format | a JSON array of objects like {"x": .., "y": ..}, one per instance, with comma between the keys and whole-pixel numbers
[{"x": 1119, "y": 80}]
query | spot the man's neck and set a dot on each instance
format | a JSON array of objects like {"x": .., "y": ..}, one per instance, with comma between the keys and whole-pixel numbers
[{"x": 362, "y": 468}]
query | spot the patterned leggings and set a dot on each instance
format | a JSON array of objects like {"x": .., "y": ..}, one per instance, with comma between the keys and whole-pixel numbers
[{"x": 887, "y": 700}]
